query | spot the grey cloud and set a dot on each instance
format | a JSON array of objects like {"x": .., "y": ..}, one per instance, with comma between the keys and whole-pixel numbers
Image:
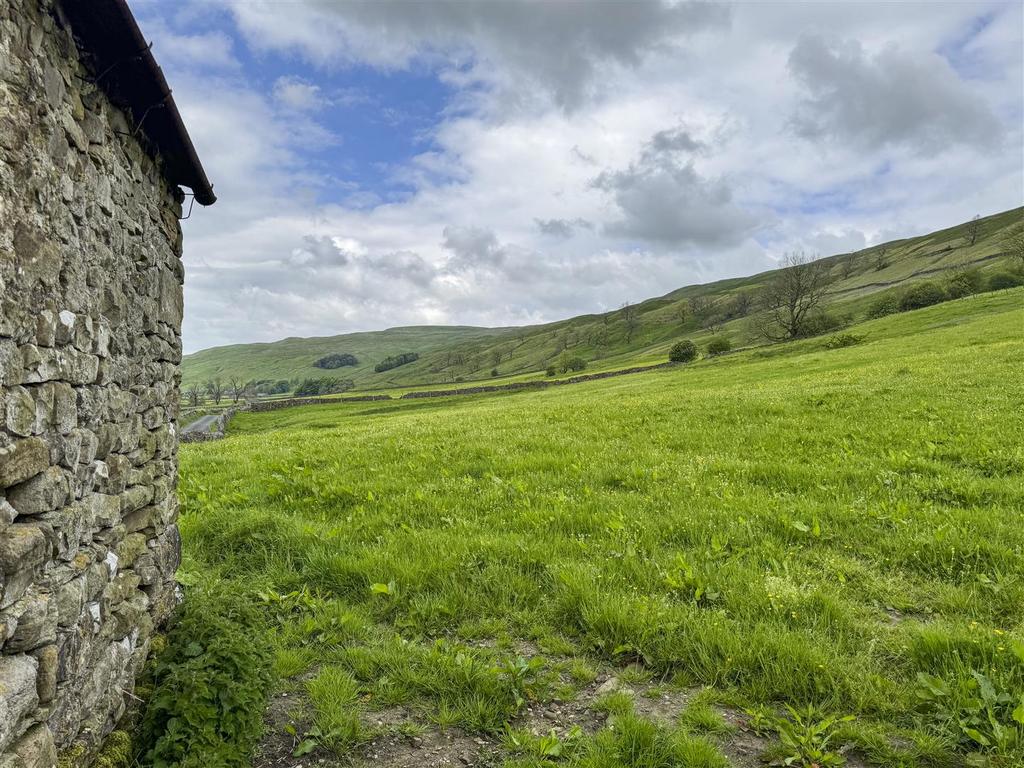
[
  {"x": 472, "y": 247},
  {"x": 893, "y": 98},
  {"x": 320, "y": 255},
  {"x": 561, "y": 227},
  {"x": 403, "y": 265},
  {"x": 559, "y": 45},
  {"x": 845, "y": 241},
  {"x": 666, "y": 201},
  {"x": 318, "y": 252},
  {"x": 674, "y": 140}
]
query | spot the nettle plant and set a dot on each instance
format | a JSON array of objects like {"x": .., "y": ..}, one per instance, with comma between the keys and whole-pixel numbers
[{"x": 984, "y": 715}]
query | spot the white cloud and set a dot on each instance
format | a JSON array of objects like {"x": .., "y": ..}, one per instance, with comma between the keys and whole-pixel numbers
[
  {"x": 295, "y": 93},
  {"x": 683, "y": 120}
]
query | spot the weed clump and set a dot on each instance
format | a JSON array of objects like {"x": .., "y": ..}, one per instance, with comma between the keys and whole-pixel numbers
[
  {"x": 841, "y": 340},
  {"x": 335, "y": 696},
  {"x": 632, "y": 741},
  {"x": 209, "y": 685}
]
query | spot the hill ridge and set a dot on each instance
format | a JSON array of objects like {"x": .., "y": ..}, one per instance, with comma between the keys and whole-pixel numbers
[{"x": 453, "y": 354}]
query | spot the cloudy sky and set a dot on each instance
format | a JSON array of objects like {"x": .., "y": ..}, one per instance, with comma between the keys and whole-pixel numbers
[{"x": 506, "y": 162}]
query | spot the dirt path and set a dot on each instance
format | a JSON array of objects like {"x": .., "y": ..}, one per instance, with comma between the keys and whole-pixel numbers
[{"x": 405, "y": 738}]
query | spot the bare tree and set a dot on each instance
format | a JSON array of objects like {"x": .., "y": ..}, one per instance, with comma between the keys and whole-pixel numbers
[
  {"x": 714, "y": 323},
  {"x": 193, "y": 393},
  {"x": 216, "y": 390},
  {"x": 681, "y": 314},
  {"x": 1013, "y": 242},
  {"x": 881, "y": 262},
  {"x": 235, "y": 389},
  {"x": 742, "y": 303},
  {"x": 973, "y": 230},
  {"x": 631, "y": 319},
  {"x": 791, "y": 295},
  {"x": 701, "y": 306},
  {"x": 848, "y": 265}
]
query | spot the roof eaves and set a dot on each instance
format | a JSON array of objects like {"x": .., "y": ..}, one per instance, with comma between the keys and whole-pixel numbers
[{"x": 124, "y": 67}]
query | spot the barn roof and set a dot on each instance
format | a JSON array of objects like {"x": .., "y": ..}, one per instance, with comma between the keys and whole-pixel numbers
[{"x": 121, "y": 61}]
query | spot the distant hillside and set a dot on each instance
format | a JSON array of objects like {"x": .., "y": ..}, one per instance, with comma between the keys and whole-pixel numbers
[
  {"x": 294, "y": 358},
  {"x": 612, "y": 339}
]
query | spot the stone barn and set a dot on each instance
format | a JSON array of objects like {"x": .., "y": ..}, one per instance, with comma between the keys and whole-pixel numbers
[{"x": 92, "y": 157}]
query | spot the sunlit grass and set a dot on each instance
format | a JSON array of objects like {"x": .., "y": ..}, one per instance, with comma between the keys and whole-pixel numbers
[{"x": 789, "y": 525}]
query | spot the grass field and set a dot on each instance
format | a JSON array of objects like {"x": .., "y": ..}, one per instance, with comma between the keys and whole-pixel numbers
[
  {"x": 604, "y": 340},
  {"x": 646, "y": 571}
]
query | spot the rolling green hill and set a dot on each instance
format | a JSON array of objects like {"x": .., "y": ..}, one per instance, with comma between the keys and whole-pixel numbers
[{"x": 614, "y": 339}]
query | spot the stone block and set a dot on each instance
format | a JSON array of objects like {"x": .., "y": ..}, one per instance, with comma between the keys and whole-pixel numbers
[
  {"x": 46, "y": 328},
  {"x": 135, "y": 497},
  {"x": 19, "y": 411},
  {"x": 46, "y": 678},
  {"x": 106, "y": 510},
  {"x": 58, "y": 364},
  {"x": 37, "y": 623},
  {"x": 46, "y": 491},
  {"x": 70, "y": 601},
  {"x": 11, "y": 370},
  {"x": 18, "y": 695},
  {"x": 36, "y": 748},
  {"x": 23, "y": 546},
  {"x": 22, "y": 460},
  {"x": 37, "y": 256},
  {"x": 7, "y": 513}
]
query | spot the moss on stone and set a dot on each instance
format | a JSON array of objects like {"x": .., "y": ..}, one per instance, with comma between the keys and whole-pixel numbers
[
  {"x": 71, "y": 758},
  {"x": 116, "y": 751}
]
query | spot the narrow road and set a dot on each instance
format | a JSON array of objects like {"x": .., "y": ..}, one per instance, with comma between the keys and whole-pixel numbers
[{"x": 202, "y": 424}]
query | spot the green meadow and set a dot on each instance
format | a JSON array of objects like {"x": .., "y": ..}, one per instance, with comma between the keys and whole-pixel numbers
[{"x": 814, "y": 552}]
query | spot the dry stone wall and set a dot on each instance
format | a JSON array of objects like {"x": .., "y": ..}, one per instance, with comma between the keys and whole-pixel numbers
[{"x": 90, "y": 317}]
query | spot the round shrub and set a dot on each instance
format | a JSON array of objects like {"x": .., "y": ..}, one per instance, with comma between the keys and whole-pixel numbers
[
  {"x": 719, "y": 345},
  {"x": 683, "y": 352},
  {"x": 822, "y": 322},
  {"x": 923, "y": 294},
  {"x": 886, "y": 304},
  {"x": 964, "y": 282},
  {"x": 1000, "y": 281},
  {"x": 551, "y": 370}
]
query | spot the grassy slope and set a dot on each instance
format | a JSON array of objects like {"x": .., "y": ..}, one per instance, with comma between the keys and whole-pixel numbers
[
  {"x": 857, "y": 514},
  {"x": 294, "y": 357},
  {"x": 601, "y": 339}
]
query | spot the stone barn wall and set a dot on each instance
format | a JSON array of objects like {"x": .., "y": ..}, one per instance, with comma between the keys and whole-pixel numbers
[{"x": 90, "y": 318}]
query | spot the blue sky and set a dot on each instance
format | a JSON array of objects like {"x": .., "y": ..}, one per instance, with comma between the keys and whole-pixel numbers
[{"x": 395, "y": 163}]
